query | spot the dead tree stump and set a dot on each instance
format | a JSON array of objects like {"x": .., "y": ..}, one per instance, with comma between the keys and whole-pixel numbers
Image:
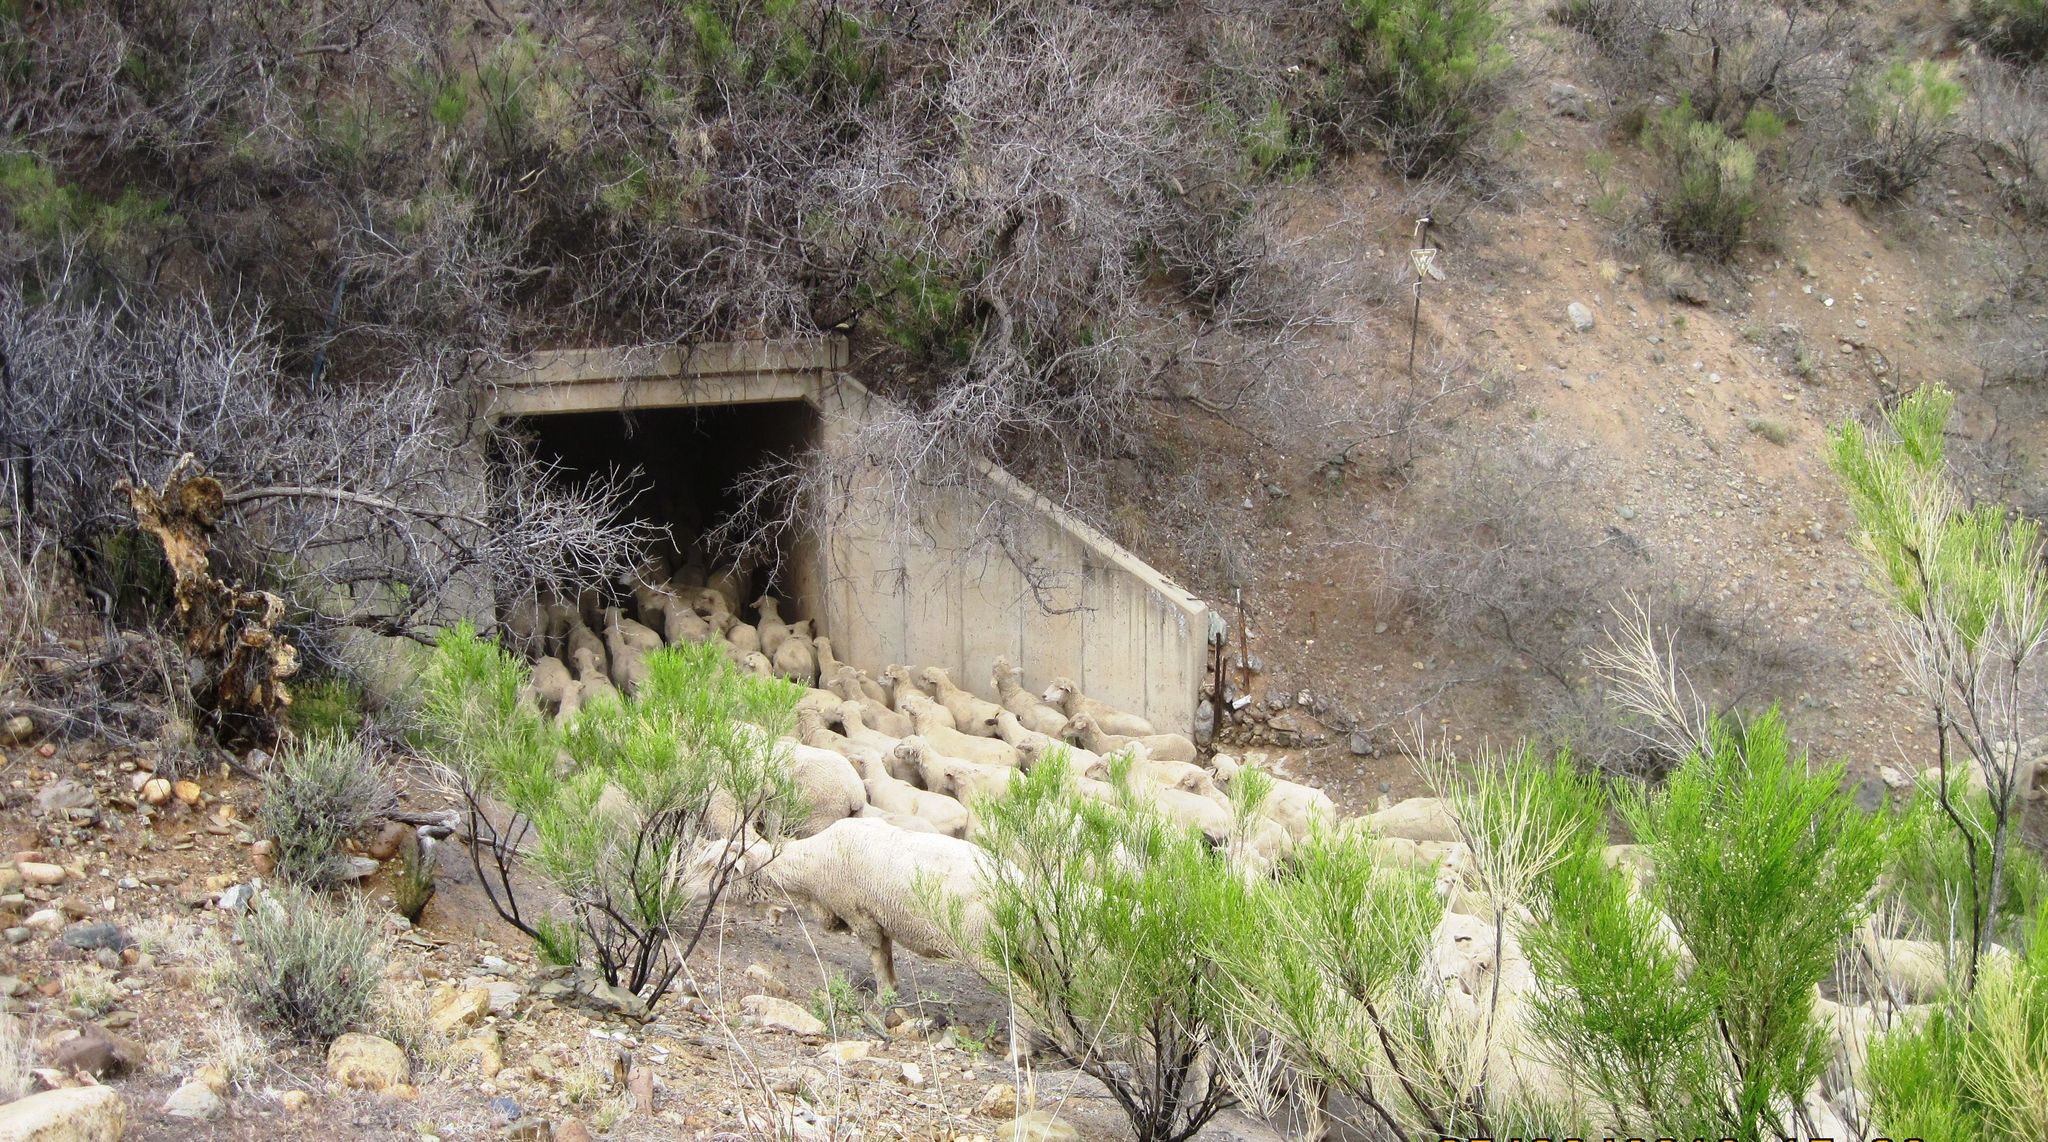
[{"x": 239, "y": 660}]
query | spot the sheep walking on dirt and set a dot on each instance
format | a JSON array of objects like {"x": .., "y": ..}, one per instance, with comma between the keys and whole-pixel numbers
[{"x": 880, "y": 882}]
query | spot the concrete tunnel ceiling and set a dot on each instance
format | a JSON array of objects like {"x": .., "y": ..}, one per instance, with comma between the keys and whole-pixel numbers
[{"x": 1070, "y": 603}]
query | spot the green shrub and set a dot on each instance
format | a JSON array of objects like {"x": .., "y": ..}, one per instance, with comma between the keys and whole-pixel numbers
[
  {"x": 2013, "y": 29},
  {"x": 1772, "y": 429},
  {"x": 325, "y": 790},
  {"x": 1708, "y": 189},
  {"x": 1700, "y": 1021},
  {"x": 1976, "y": 1068},
  {"x": 308, "y": 965},
  {"x": 327, "y": 707},
  {"x": 1110, "y": 926},
  {"x": 1433, "y": 69},
  {"x": 1899, "y": 119},
  {"x": 627, "y": 811}
]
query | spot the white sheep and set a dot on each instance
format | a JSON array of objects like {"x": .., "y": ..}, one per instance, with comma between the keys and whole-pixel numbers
[
  {"x": 1417, "y": 819},
  {"x": 1295, "y": 807},
  {"x": 591, "y": 677},
  {"x": 902, "y": 821},
  {"x": 827, "y": 663},
  {"x": 1082, "y": 729},
  {"x": 770, "y": 625},
  {"x": 880, "y": 882},
  {"x": 930, "y": 720},
  {"x": 957, "y": 778},
  {"x": 581, "y": 637},
  {"x": 971, "y": 715},
  {"x": 846, "y": 683},
  {"x": 1035, "y": 715},
  {"x": 1034, "y": 748},
  {"x": 902, "y": 686},
  {"x": 730, "y": 584},
  {"x": 525, "y": 627},
  {"x": 1065, "y": 694},
  {"x": 551, "y": 683},
  {"x": 680, "y": 624},
  {"x": 813, "y": 728},
  {"x": 855, "y": 684},
  {"x": 793, "y": 657},
  {"x": 890, "y": 793},
  {"x": 628, "y": 654},
  {"x": 831, "y": 787}
]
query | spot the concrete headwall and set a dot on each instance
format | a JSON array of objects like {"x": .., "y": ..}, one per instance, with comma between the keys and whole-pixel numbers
[{"x": 1056, "y": 597}]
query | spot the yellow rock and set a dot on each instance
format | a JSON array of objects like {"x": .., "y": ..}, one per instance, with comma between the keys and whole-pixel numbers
[{"x": 187, "y": 791}]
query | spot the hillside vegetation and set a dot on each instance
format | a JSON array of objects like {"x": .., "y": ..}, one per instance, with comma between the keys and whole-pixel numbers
[{"x": 1660, "y": 386}]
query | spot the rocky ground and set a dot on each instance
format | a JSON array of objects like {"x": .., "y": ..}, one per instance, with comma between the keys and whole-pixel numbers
[{"x": 119, "y": 915}]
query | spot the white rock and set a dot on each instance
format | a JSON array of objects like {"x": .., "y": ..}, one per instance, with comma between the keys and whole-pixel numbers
[
  {"x": 194, "y": 1100},
  {"x": 781, "y": 1015},
  {"x": 73, "y": 1114},
  {"x": 1580, "y": 316}
]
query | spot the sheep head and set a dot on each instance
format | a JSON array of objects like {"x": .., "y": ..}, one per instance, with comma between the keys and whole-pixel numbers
[
  {"x": 757, "y": 663},
  {"x": 1061, "y": 693},
  {"x": 935, "y": 680},
  {"x": 1079, "y": 729},
  {"x": 767, "y": 606}
]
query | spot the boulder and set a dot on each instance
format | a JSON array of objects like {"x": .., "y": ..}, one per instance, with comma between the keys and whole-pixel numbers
[
  {"x": 458, "y": 1008},
  {"x": 998, "y": 1101},
  {"x": 1037, "y": 1126},
  {"x": 781, "y": 1015},
  {"x": 39, "y": 872},
  {"x": 1580, "y": 316},
  {"x": 367, "y": 1062},
  {"x": 196, "y": 1101},
  {"x": 74, "y": 1114}
]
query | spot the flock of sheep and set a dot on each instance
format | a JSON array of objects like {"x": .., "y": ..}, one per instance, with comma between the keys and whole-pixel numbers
[{"x": 891, "y": 767}]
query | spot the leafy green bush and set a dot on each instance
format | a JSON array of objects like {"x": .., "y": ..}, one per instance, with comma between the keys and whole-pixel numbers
[
  {"x": 630, "y": 811},
  {"x": 1434, "y": 69},
  {"x": 327, "y": 707},
  {"x": 1763, "y": 870},
  {"x": 1899, "y": 120},
  {"x": 308, "y": 965},
  {"x": 325, "y": 790},
  {"x": 1110, "y": 925},
  {"x": 1709, "y": 189}
]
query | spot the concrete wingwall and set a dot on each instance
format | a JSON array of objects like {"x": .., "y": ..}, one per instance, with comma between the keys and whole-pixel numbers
[{"x": 985, "y": 569}]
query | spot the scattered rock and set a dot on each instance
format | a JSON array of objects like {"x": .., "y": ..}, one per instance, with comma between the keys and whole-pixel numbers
[
  {"x": 36, "y": 872},
  {"x": 581, "y": 987},
  {"x": 640, "y": 1082},
  {"x": 359, "y": 868},
  {"x": 73, "y": 1114},
  {"x": 1580, "y": 317},
  {"x": 194, "y": 1100},
  {"x": 913, "y": 1075},
  {"x": 236, "y": 897},
  {"x": 998, "y": 1101},
  {"x": 388, "y": 841},
  {"x": 572, "y": 1130},
  {"x": 45, "y": 920},
  {"x": 367, "y": 1062},
  {"x": 505, "y": 994},
  {"x": 96, "y": 1051},
  {"x": 848, "y": 1051},
  {"x": 17, "y": 935},
  {"x": 1037, "y": 1126},
  {"x": 187, "y": 792},
  {"x": 95, "y": 937},
  {"x": 155, "y": 791},
  {"x": 457, "y": 1008},
  {"x": 1360, "y": 745},
  {"x": 1895, "y": 777},
  {"x": 781, "y": 1015},
  {"x": 65, "y": 794},
  {"x": 17, "y": 729},
  {"x": 505, "y": 1109},
  {"x": 1567, "y": 101}
]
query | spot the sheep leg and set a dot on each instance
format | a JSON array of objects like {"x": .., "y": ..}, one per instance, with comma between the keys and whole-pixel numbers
[{"x": 882, "y": 955}]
